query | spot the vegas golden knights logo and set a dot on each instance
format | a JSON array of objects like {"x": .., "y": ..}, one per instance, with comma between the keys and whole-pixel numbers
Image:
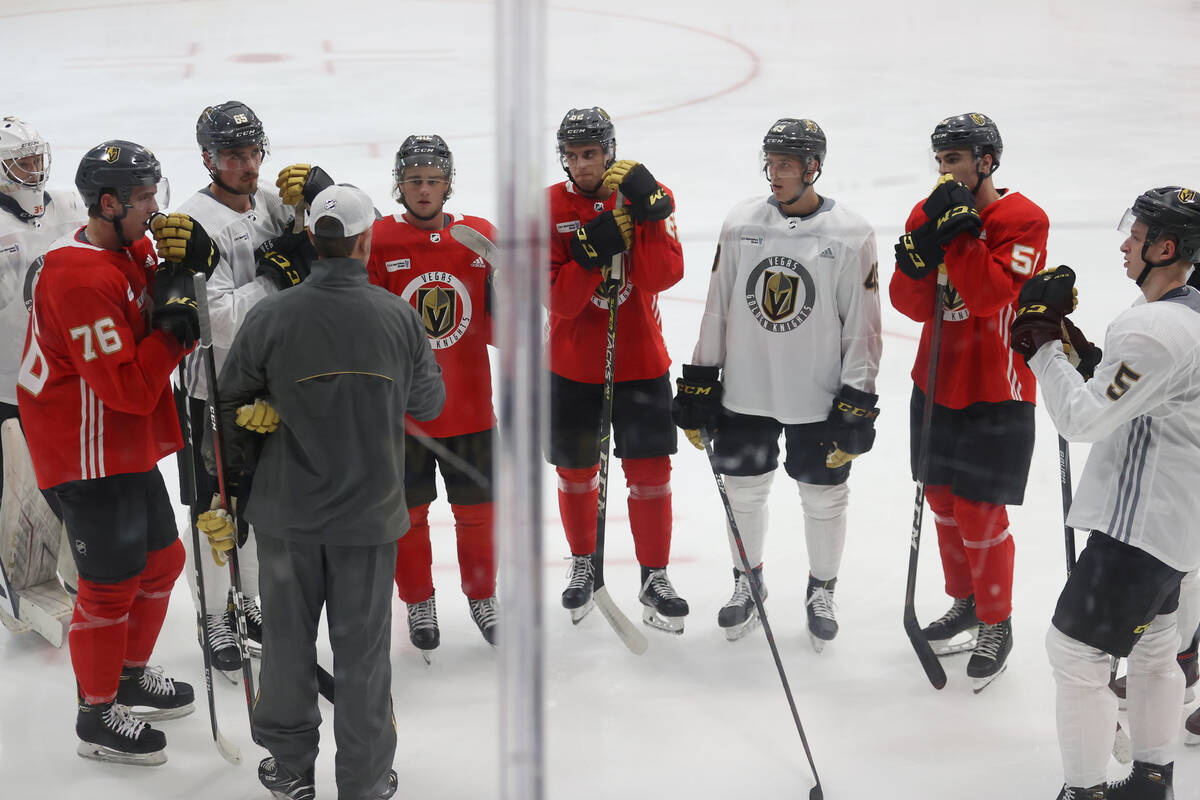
[
  {"x": 438, "y": 306},
  {"x": 1187, "y": 196},
  {"x": 978, "y": 119},
  {"x": 112, "y": 154},
  {"x": 779, "y": 295}
]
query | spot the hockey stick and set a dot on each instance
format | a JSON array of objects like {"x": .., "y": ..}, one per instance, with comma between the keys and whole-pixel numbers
[
  {"x": 925, "y": 654},
  {"x": 187, "y": 495},
  {"x": 634, "y": 639},
  {"x": 1064, "y": 478},
  {"x": 817, "y": 793},
  {"x": 474, "y": 241}
]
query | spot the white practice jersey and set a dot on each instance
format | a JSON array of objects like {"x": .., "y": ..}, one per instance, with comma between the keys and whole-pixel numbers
[
  {"x": 22, "y": 242},
  {"x": 1142, "y": 410},
  {"x": 792, "y": 311},
  {"x": 233, "y": 288}
]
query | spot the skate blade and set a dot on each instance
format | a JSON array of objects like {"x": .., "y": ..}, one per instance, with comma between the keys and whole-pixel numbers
[
  {"x": 426, "y": 655},
  {"x": 253, "y": 648},
  {"x": 661, "y": 623},
  {"x": 97, "y": 752},
  {"x": 983, "y": 683},
  {"x": 577, "y": 614},
  {"x": 953, "y": 646},
  {"x": 148, "y": 714},
  {"x": 233, "y": 676},
  {"x": 818, "y": 644},
  {"x": 741, "y": 630},
  {"x": 1122, "y": 747}
]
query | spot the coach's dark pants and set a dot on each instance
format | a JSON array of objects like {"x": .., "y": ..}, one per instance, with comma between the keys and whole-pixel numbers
[{"x": 354, "y": 584}]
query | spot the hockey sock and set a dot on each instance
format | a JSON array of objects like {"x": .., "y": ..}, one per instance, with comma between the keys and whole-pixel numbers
[
  {"x": 955, "y": 566},
  {"x": 149, "y": 607},
  {"x": 414, "y": 558},
  {"x": 1085, "y": 708},
  {"x": 649, "y": 482},
  {"x": 248, "y": 565},
  {"x": 578, "y": 494},
  {"x": 990, "y": 551},
  {"x": 824, "y": 527},
  {"x": 476, "y": 549},
  {"x": 1154, "y": 689},
  {"x": 97, "y": 637},
  {"x": 748, "y": 499},
  {"x": 216, "y": 579}
]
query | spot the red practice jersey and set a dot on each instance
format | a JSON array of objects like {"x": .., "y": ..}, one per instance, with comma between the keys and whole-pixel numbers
[
  {"x": 447, "y": 284},
  {"x": 95, "y": 383},
  {"x": 985, "y": 275},
  {"x": 579, "y": 309}
]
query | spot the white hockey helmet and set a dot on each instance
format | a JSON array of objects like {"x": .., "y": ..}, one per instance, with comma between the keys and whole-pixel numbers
[{"x": 24, "y": 165}]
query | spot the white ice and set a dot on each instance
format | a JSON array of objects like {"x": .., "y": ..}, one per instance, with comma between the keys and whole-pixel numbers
[{"x": 1096, "y": 101}]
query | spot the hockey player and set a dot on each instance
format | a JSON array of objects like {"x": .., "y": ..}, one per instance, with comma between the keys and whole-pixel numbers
[
  {"x": 1141, "y": 411},
  {"x": 792, "y": 320},
  {"x": 342, "y": 362},
  {"x": 413, "y": 255},
  {"x": 105, "y": 333},
  {"x": 990, "y": 241},
  {"x": 245, "y": 222},
  {"x": 589, "y": 231}
]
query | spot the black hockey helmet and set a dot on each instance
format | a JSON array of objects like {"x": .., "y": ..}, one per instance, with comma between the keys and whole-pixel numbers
[
  {"x": 582, "y": 125},
  {"x": 423, "y": 151},
  {"x": 116, "y": 167},
  {"x": 976, "y": 132},
  {"x": 1169, "y": 211},
  {"x": 230, "y": 124},
  {"x": 797, "y": 137}
]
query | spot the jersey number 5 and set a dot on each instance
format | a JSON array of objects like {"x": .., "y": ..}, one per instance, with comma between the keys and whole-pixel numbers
[{"x": 1024, "y": 259}]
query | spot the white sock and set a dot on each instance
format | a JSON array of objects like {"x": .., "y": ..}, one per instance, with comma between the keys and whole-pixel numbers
[
  {"x": 824, "y": 527},
  {"x": 1085, "y": 708},
  {"x": 748, "y": 499},
  {"x": 1154, "y": 689}
]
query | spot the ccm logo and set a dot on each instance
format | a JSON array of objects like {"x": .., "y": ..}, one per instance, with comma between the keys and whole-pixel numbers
[{"x": 696, "y": 389}]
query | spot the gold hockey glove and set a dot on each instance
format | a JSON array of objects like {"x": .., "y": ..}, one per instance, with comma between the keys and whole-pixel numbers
[
  {"x": 260, "y": 417},
  {"x": 220, "y": 529}
]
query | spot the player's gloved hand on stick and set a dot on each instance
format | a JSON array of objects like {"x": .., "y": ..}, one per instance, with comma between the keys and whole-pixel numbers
[
  {"x": 220, "y": 529},
  {"x": 1044, "y": 301},
  {"x": 647, "y": 200},
  {"x": 301, "y": 182},
  {"x": 851, "y": 425},
  {"x": 260, "y": 417},
  {"x": 594, "y": 244},
  {"x": 918, "y": 253},
  {"x": 697, "y": 401},
  {"x": 175, "y": 309},
  {"x": 286, "y": 259},
  {"x": 1083, "y": 355},
  {"x": 951, "y": 209},
  {"x": 182, "y": 240}
]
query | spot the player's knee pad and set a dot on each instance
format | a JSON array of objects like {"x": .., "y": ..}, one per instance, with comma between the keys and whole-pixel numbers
[
  {"x": 982, "y": 525},
  {"x": 1076, "y": 663},
  {"x": 1154, "y": 652},
  {"x": 647, "y": 475},
  {"x": 582, "y": 480},
  {"x": 101, "y": 604},
  {"x": 162, "y": 568},
  {"x": 824, "y": 502},
  {"x": 748, "y": 493}
]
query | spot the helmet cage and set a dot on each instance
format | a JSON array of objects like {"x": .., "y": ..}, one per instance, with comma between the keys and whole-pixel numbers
[{"x": 19, "y": 141}]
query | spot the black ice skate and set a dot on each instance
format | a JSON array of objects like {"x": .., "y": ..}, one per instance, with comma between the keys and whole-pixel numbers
[
  {"x": 285, "y": 784},
  {"x": 991, "y": 653},
  {"x": 108, "y": 732},
  {"x": 423, "y": 629},
  {"x": 386, "y": 787},
  {"x": 662, "y": 608},
  {"x": 577, "y": 597},
  {"x": 822, "y": 624},
  {"x": 149, "y": 695},
  {"x": 1096, "y": 792},
  {"x": 253, "y": 628},
  {"x": 1145, "y": 782},
  {"x": 484, "y": 613},
  {"x": 223, "y": 647},
  {"x": 1192, "y": 728},
  {"x": 739, "y": 615},
  {"x": 944, "y": 633}
]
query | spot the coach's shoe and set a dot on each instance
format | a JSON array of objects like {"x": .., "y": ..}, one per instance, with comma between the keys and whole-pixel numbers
[
  {"x": 285, "y": 784},
  {"x": 385, "y": 788}
]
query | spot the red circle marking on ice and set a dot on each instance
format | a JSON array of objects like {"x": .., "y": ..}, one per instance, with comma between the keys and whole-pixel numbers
[{"x": 257, "y": 58}]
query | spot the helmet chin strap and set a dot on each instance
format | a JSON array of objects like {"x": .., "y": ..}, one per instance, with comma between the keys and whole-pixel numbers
[
  {"x": 1149, "y": 264},
  {"x": 116, "y": 223},
  {"x": 804, "y": 187}
]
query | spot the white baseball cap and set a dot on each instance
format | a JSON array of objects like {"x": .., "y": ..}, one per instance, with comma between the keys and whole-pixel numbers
[{"x": 346, "y": 204}]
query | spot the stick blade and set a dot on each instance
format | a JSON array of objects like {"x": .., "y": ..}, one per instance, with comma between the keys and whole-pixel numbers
[
  {"x": 228, "y": 750},
  {"x": 929, "y": 660},
  {"x": 634, "y": 639},
  {"x": 474, "y": 241}
]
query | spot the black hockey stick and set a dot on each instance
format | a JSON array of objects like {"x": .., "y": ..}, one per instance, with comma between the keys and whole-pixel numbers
[
  {"x": 1064, "y": 478},
  {"x": 187, "y": 495},
  {"x": 634, "y": 639},
  {"x": 925, "y": 654},
  {"x": 817, "y": 793}
]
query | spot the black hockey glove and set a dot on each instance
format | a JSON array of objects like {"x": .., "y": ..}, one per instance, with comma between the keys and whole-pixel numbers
[
  {"x": 301, "y": 182},
  {"x": 1044, "y": 301},
  {"x": 175, "y": 309},
  {"x": 182, "y": 240},
  {"x": 647, "y": 200},
  {"x": 697, "y": 401},
  {"x": 851, "y": 425},
  {"x": 1083, "y": 355},
  {"x": 918, "y": 253},
  {"x": 594, "y": 244},
  {"x": 951, "y": 208},
  {"x": 286, "y": 260}
]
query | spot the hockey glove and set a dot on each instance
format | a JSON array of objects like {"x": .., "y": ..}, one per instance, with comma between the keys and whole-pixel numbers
[
  {"x": 220, "y": 529},
  {"x": 175, "y": 309},
  {"x": 1044, "y": 301},
  {"x": 594, "y": 245},
  {"x": 918, "y": 253},
  {"x": 852, "y": 425},
  {"x": 260, "y": 417},
  {"x": 285, "y": 260},
  {"x": 951, "y": 208},
  {"x": 182, "y": 240},
  {"x": 1083, "y": 355},
  {"x": 647, "y": 200},
  {"x": 301, "y": 183},
  {"x": 697, "y": 401}
]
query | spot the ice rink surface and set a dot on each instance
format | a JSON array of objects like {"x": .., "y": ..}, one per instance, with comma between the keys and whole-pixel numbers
[{"x": 1096, "y": 102}]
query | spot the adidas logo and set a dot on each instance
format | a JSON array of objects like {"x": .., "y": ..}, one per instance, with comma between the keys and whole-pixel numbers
[
  {"x": 827, "y": 253},
  {"x": 479, "y": 262}
]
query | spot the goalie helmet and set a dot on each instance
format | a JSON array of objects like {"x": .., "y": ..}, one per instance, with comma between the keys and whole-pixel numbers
[
  {"x": 975, "y": 132},
  {"x": 230, "y": 124},
  {"x": 798, "y": 137},
  {"x": 24, "y": 166},
  {"x": 116, "y": 167},
  {"x": 423, "y": 151},
  {"x": 584, "y": 125},
  {"x": 1169, "y": 211}
]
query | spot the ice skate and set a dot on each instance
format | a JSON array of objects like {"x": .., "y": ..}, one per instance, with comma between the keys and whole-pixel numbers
[
  {"x": 822, "y": 625},
  {"x": 662, "y": 608},
  {"x": 1191, "y": 728},
  {"x": 253, "y": 626},
  {"x": 945, "y": 634},
  {"x": 1096, "y": 792},
  {"x": 151, "y": 696},
  {"x": 423, "y": 629},
  {"x": 108, "y": 732},
  {"x": 484, "y": 613},
  {"x": 1144, "y": 782},
  {"x": 285, "y": 784},
  {"x": 991, "y": 653},
  {"x": 577, "y": 597},
  {"x": 223, "y": 647},
  {"x": 739, "y": 615}
]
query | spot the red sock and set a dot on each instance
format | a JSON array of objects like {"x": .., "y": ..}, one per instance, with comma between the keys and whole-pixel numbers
[
  {"x": 150, "y": 605},
  {"x": 649, "y": 482},
  {"x": 476, "y": 549},
  {"x": 97, "y": 637},
  {"x": 578, "y": 494},
  {"x": 414, "y": 558},
  {"x": 990, "y": 551},
  {"x": 955, "y": 566}
]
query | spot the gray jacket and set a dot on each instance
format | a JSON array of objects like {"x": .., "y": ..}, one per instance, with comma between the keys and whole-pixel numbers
[{"x": 341, "y": 361}]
